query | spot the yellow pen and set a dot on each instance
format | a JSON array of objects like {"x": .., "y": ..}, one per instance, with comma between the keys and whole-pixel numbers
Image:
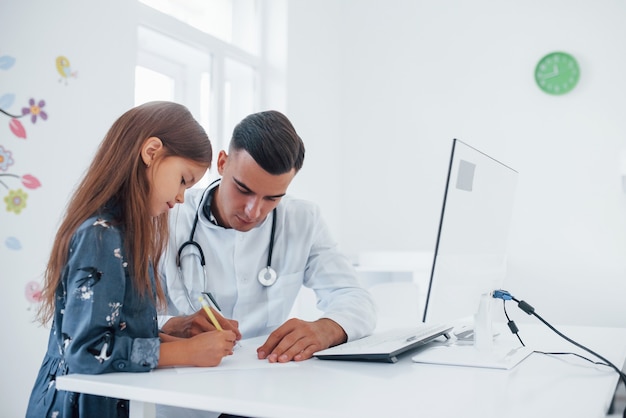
[{"x": 209, "y": 312}]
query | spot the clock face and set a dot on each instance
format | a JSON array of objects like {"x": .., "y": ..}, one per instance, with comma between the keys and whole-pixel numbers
[{"x": 557, "y": 73}]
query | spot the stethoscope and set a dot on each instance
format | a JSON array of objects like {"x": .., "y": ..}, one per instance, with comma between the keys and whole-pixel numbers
[{"x": 267, "y": 276}]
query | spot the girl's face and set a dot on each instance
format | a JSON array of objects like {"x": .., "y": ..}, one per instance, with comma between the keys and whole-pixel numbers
[{"x": 169, "y": 178}]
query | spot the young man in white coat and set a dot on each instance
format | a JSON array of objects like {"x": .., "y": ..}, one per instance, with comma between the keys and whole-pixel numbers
[{"x": 259, "y": 246}]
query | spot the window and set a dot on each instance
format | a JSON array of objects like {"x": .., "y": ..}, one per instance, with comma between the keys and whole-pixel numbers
[
  {"x": 236, "y": 22},
  {"x": 152, "y": 85},
  {"x": 207, "y": 55}
]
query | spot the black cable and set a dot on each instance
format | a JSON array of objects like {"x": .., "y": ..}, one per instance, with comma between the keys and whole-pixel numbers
[
  {"x": 531, "y": 311},
  {"x": 504, "y": 295},
  {"x": 565, "y": 353},
  {"x": 511, "y": 324}
]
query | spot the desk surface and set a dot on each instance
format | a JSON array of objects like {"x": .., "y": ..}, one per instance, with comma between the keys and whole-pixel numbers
[{"x": 546, "y": 386}]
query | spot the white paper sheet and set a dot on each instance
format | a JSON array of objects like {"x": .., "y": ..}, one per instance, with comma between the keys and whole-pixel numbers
[{"x": 244, "y": 357}]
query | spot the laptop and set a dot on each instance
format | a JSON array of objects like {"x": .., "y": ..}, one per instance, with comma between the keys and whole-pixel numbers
[{"x": 386, "y": 346}]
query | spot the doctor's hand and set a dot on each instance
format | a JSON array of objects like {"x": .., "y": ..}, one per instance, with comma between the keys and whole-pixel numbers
[
  {"x": 297, "y": 340},
  {"x": 197, "y": 323}
]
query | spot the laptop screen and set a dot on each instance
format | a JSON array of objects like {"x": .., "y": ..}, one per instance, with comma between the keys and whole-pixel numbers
[{"x": 470, "y": 252}]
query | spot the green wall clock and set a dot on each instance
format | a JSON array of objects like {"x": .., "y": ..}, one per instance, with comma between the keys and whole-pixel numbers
[{"x": 557, "y": 73}]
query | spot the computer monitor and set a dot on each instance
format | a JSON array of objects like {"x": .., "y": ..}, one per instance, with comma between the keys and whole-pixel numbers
[
  {"x": 471, "y": 248},
  {"x": 470, "y": 261}
]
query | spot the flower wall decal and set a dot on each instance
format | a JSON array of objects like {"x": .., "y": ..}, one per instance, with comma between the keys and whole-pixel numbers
[
  {"x": 32, "y": 292},
  {"x": 16, "y": 186},
  {"x": 6, "y": 101},
  {"x": 17, "y": 128},
  {"x": 16, "y": 199},
  {"x": 35, "y": 110},
  {"x": 12, "y": 243},
  {"x": 6, "y": 62},
  {"x": 6, "y": 159}
]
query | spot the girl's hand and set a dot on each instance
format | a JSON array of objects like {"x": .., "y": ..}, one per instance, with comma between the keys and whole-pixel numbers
[
  {"x": 208, "y": 349},
  {"x": 202, "y": 350},
  {"x": 166, "y": 338}
]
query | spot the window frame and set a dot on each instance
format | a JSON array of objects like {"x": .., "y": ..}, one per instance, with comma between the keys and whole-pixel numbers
[{"x": 219, "y": 52}]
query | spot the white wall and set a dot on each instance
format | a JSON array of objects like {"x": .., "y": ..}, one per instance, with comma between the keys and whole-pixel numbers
[
  {"x": 378, "y": 90},
  {"x": 99, "y": 40}
]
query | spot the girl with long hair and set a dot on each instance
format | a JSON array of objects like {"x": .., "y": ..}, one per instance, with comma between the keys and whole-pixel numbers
[{"x": 101, "y": 288}]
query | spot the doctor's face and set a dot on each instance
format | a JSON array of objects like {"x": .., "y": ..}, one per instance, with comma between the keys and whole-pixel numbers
[{"x": 247, "y": 193}]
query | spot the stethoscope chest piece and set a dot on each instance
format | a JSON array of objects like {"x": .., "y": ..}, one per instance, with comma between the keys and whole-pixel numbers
[{"x": 267, "y": 276}]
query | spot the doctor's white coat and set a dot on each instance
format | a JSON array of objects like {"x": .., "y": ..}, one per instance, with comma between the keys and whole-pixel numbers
[{"x": 304, "y": 254}]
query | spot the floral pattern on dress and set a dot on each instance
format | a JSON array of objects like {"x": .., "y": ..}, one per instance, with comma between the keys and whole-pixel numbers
[
  {"x": 101, "y": 324},
  {"x": 115, "y": 313}
]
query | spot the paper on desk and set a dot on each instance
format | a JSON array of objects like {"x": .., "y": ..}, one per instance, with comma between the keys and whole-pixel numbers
[{"x": 244, "y": 357}]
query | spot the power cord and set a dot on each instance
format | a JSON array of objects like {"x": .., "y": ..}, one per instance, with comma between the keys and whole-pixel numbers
[{"x": 505, "y": 295}]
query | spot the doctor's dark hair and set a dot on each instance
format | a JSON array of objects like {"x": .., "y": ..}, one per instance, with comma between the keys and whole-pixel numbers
[
  {"x": 118, "y": 178},
  {"x": 269, "y": 138}
]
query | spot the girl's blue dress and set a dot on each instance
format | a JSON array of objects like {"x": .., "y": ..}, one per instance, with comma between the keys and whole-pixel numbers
[{"x": 101, "y": 325}]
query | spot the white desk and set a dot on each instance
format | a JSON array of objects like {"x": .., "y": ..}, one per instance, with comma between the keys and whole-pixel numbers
[{"x": 540, "y": 386}]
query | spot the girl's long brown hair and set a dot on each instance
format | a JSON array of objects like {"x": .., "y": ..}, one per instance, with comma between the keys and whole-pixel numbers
[{"x": 118, "y": 176}]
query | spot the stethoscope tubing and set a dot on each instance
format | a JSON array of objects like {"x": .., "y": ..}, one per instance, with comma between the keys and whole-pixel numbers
[{"x": 267, "y": 276}]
